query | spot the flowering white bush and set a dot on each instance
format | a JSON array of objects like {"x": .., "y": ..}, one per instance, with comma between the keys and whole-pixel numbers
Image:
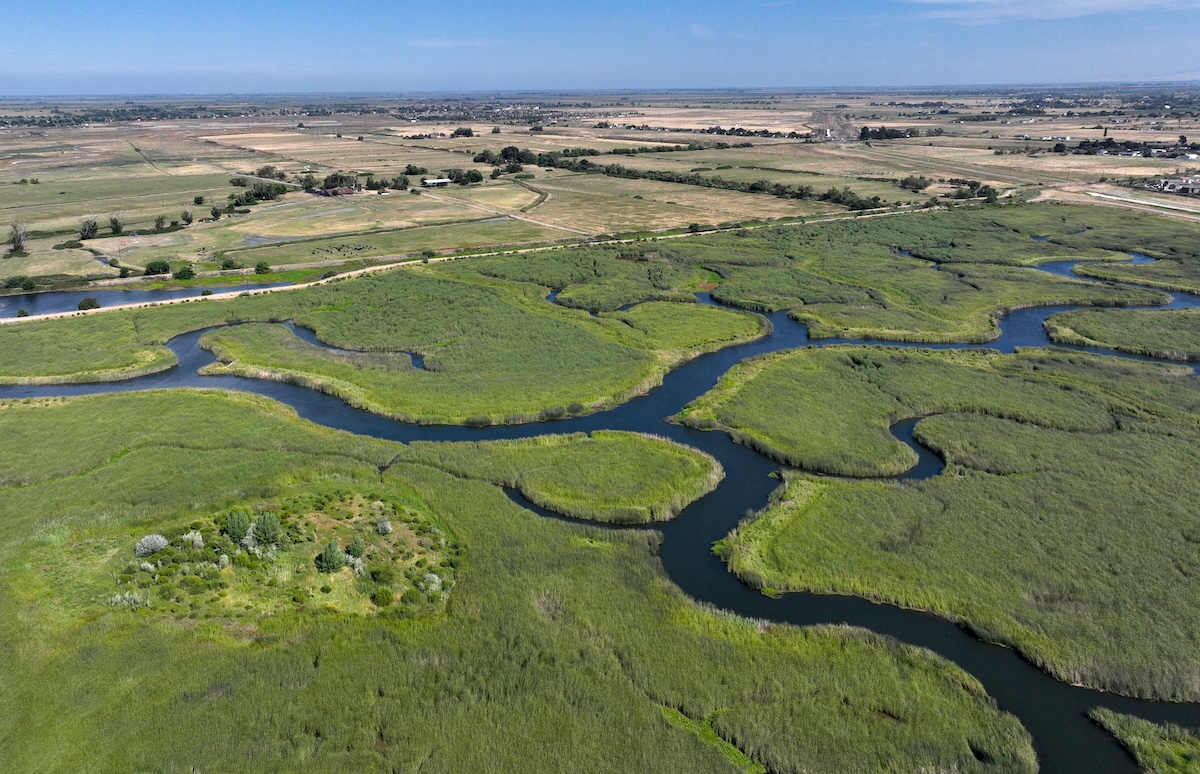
[{"x": 151, "y": 544}]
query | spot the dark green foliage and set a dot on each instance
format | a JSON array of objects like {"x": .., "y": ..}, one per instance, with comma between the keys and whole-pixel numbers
[
  {"x": 339, "y": 179},
  {"x": 382, "y": 596},
  {"x": 331, "y": 558},
  {"x": 357, "y": 547},
  {"x": 18, "y": 237},
  {"x": 186, "y": 273},
  {"x": 88, "y": 229},
  {"x": 267, "y": 531},
  {"x": 237, "y": 524},
  {"x": 157, "y": 266},
  {"x": 262, "y": 267},
  {"x": 384, "y": 575},
  {"x": 88, "y": 303}
]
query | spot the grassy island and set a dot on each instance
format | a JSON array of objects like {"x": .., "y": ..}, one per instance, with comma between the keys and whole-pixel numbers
[
  {"x": 1172, "y": 334},
  {"x": 1061, "y": 526}
]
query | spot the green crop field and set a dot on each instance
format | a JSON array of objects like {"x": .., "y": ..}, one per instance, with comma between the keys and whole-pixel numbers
[
  {"x": 556, "y": 646},
  {"x": 1062, "y": 525}
]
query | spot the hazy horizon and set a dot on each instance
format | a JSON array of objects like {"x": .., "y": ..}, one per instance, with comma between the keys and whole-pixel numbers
[{"x": 102, "y": 48}]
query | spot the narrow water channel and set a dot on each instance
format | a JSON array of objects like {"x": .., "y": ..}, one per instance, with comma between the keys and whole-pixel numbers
[{"x": 1054, "y": 712}]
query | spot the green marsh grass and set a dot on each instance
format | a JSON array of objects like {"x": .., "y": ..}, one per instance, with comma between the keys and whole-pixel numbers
[
  {"x": 606, "y": 476},
  {"x": 557, "y": 650},
  {"x": 1062, "y": 525},
  {"x": 1158, "y": 749},
  {"x": 1172, "y": 334}
]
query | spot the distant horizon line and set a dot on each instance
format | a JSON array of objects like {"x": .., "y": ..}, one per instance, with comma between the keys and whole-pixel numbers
[{"x": 1144, "y": 83}]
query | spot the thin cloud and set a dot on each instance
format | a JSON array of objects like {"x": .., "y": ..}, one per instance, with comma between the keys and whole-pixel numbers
[
  {"x": 699, "y": 31},
  {"x": 443, "y": 43},
  {"x": 987, "y": 11}
]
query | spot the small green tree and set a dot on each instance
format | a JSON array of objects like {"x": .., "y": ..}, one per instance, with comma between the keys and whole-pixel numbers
[
  {"x": 158, "y": 266},
  {"x": 197, "y": 200},
  {"x": 88, "y": 228},
  {"x": 116, "y": 224},
  {"x": 262, "y": 267},
  {"x": 267, "y": 530},
  {"x": 216, "y": 213},
  {"x": 28, "y": 284},
  {"x": 18, "y": 237},
  {"x": 89, "y": 303},
  {"x": 160, "y": 222},
  {"x": 236, "y": 526},
  {"x": 357, "y": 547},
  {"x": 187, "y": 217},
  {"x": 186, "y": 273},
  {"x": 331, "y": 558}
]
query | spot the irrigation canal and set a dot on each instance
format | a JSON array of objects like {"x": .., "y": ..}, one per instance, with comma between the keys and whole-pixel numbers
[{"x": 1054, "y": 712}]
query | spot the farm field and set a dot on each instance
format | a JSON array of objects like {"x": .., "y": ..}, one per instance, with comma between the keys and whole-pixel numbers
[
  {"x": 141, "y": 172},
  {"x": 598, "y": 651}
]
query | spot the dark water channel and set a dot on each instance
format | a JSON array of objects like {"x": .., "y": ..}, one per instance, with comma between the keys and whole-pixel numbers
[
  {"x": 57, "y": 301},
  {"x": 1054, "y": 712}
]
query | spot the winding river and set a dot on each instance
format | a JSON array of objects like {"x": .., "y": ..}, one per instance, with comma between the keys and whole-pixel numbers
[{"x": 1054, "y": 712}]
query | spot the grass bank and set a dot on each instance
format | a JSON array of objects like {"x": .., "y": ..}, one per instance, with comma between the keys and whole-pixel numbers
[
  {"x": 1172, "y": 334},
  {"x": 1158, "y": 749}
]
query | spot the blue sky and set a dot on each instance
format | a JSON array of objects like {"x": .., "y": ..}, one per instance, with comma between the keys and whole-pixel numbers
[{"x": 131, "y": 47}]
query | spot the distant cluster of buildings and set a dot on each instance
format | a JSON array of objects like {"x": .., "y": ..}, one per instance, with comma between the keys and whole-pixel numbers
[{"x": 1187, "y": 186}]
